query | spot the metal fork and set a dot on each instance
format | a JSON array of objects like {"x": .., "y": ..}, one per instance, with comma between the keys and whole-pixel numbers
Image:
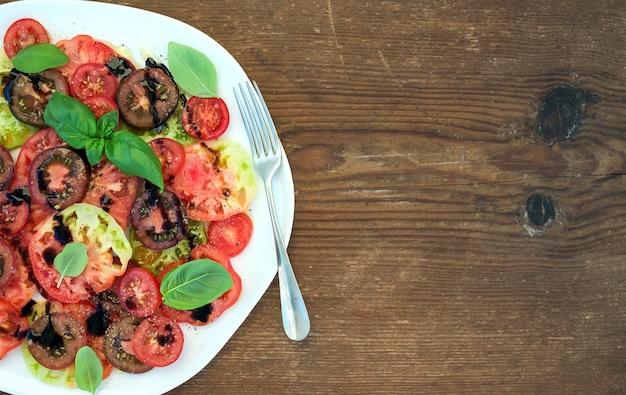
[{"x": 267, "y": 153}]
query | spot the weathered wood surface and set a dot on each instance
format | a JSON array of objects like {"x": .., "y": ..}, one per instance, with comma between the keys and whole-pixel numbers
[{"x": 411, "y": 129}]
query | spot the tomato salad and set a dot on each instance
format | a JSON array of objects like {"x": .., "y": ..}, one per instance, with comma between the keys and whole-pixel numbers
[{"x": 128, "y": 235}]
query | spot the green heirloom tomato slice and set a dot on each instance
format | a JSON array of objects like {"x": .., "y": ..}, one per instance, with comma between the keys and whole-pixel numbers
[
  {"x": 13, "y": 133},
  {"x": 217, "y": 180},
  {"x": 108, "y": 250}
]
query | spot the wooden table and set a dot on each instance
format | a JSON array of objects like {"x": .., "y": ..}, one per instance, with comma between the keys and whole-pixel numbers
[{"x": 460, "y": 218}]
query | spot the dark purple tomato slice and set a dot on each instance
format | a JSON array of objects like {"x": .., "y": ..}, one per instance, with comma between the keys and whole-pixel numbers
[
  {"x": 147, "y": 98},
  {"x": 29, "y": 94},
  {"x": 6, "y": 167},
  {"x": 54, "y": 339},
  {"x": 159, "y": 219},
  {"x": 8, "y": 263},
  {"x": 118, "y": 345},
  {"x": 58, "y": 176}
]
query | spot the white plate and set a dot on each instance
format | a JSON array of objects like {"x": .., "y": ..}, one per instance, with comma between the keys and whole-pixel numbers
[{"x": 148, "y": 33}]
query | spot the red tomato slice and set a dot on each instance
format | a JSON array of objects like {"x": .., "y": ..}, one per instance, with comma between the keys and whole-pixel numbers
[
  {"x": 83, "y": 49},
  {"x": 36, "y": 144},
  {"x": 91, "y": 79},
  {"x": 108, "y": 251},
  {"x": 8, "y": 263},
  {"x": 206, "y": 314},
  {"x": 231, "y": 235},
  {"x": 217, "y": 180},
  {"x": 112, "y": 190},
  {"x": 139, "y": 292},
  {"x": 13, "y": 328},
  {"x": 171, "y": 154},
  {"x": 100, "y": 105},
  {"x": 14, "y": 212},
  {"x": 21, "y": 290},
  {"x": 158, "y": 341},
  {"x": 22, "y": 33},
  {"x": 205, "y": 118}
]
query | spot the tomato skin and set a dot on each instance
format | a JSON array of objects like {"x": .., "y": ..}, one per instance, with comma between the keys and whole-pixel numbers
[
  {"x": 22, "y": 33},
  {"x": 171, "y": 154},
  {"x": 158, "y": 341},
  {"x": 205, "y": 118},
  {"x": 21, "y": 290},
  {"x": 91, "y": 79},
  {"x": 138, "y": 292},
  {"x": 13, "y": 328},
  {"x": 231, "y": 235}
]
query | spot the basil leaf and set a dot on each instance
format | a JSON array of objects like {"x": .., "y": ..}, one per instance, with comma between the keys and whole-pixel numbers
[
  {"x": 71, "y": 119},
  {"x": 71, "y": 261},
  {"x": 192, "y": 70},
  {"x": 134, "y": 157},
  {"x": 87, "y": 369},
  {"x": 107, "y": 124},
  {"x": 36, "y": 58},
  {"x": 94, "y": 147},
  {"x": 195, "y": 284}
]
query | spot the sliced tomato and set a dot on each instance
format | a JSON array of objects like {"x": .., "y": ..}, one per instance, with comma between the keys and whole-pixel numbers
[
  {"x": 138, "y": 292},
  {"x": 118, "y": 346},
  {"x": 13, "y": 328},
  {"x": 38, "y": 215},
  {"x": 6, "y": 167},
  {"x": 22, "y": 33},
  {"x": 231, "y": 235},
  {"x": 8, "y": 263},
  {"x": 22, "y": 289},
  {"x": 205, "y": 118},
  {"x": 29, "y": 94},
  {"x": 158, "y": 341},
  {"x": 112, "y": 190},
  {"x": 58, "y": 177},
  {"x": 83, "y": 49},
  {"x": 147, "y": 98},
  {"x": 107, "y": 248},
  {"x": 100, "y": 105},
  {"x": 14, "y": 211},
  {"x": 171, "y": 154},
  {"x": 217, "y": 180},
  {"x": 54, "y": 339},
  {"x": 37, "y": 143},
  {"x": 208, "y": 313},
  {"x": 159, "y": 219},
  {"x": 91, "y": 79}
]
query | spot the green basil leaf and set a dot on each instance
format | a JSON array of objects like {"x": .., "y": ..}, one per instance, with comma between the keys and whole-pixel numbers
[
  {"x": 195, "y": 284},
  {"x": 71, "y": 261},
  {"x": 87, "y": 370},
  {"x": 134, "y": 157},
  {"x": 94, "y": 147},
  {"x": 107, "y": 124},
  {"x": 36, "y": 58},
  {"x": 193, "y": 71},
  {"x": 71, "y": 119}
]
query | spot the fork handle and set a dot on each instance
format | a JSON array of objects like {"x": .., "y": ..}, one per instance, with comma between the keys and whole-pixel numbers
[{"x": 294, "y": 313}]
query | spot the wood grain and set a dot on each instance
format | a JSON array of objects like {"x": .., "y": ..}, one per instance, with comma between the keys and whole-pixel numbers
[{"x": 410, "y": 126}]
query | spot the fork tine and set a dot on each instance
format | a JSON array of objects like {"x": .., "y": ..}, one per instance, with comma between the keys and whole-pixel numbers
[
  {"x": 264, "y": 114},
  {"x": 248, "y": 119}
]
